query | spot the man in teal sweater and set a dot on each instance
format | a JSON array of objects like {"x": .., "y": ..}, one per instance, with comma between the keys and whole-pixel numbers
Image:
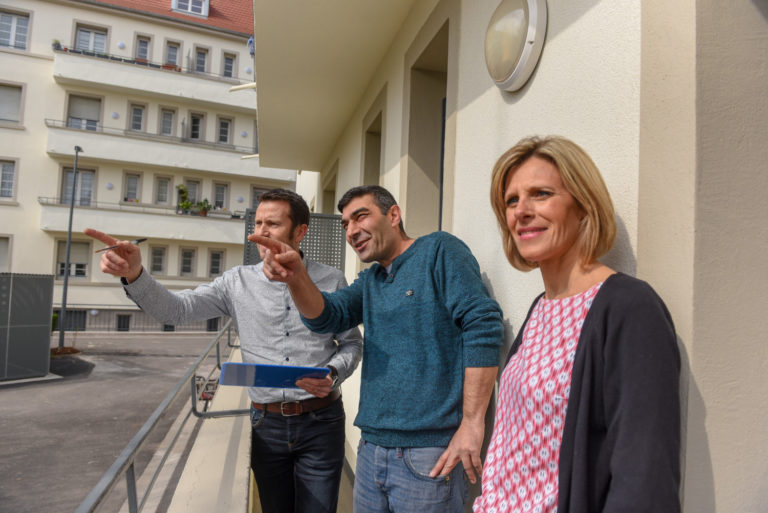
[{"x": 430, "y": 356}]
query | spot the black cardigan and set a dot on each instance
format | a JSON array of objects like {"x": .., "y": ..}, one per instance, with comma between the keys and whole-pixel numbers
[{"x": 621, "y": 440}]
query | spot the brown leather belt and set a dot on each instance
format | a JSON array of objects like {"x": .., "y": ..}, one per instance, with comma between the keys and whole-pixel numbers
[{"x": 293, "y": 408}]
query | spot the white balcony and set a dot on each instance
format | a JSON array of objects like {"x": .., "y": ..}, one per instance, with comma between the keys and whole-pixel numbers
[
  {"x": 139, "y": 148},
  {"x": 153, "y": 222},
  {"x": 115, "y": 73}
]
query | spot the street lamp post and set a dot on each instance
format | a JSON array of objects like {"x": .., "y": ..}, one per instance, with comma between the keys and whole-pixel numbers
[{"x": 62, "y": 313}]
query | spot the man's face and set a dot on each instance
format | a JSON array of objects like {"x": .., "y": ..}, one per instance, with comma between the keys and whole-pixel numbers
[
  {"x": 371, "y": 234},
  {"x": 273, "y": 220}
]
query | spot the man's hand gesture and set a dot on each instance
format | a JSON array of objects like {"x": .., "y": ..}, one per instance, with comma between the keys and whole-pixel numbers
[
  {"x": 123, "y": 261},
  {"x": 281, "y": 261}
]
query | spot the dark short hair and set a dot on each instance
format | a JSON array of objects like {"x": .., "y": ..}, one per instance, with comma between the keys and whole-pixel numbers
[
  {"x": 299, "y": 210},
  {"x": 382, "y": 197}
]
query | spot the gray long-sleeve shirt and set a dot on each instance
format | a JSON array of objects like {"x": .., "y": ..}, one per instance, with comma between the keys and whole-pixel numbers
[{"x": 266, "y": 319}]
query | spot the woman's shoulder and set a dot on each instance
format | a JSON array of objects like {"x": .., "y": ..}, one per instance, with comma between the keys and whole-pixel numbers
[
  {"x": 622, "y": 285},
  {"x": 622, "y": 292}
]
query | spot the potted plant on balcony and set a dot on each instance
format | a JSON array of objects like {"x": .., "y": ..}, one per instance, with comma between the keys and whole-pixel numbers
[
  {"x": 184, "y": 204},
  {"x": 56, "y": 44},
  {"x": 203, "y": 207}
]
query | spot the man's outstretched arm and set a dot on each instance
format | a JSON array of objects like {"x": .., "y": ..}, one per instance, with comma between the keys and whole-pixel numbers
[{"x": 283, "y": 263}]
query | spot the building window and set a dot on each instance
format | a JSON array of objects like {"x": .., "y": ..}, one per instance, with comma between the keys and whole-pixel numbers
[
  {"x": 167, "y": 124},
  {"x": 169, "y": 327},
  {"x": 91, "y": 40},
  {"x": 216, "y": 263},
  {"x": 191, "y": 6},
  {"x": 172, "y": 51},
  {"x": 137, "y": 118},
  {"x": 256, "y": 193},
  {"x": 212, "y": 324},
  {"x": 8, "y": 170},
  {"x": 162, "y": 190},
  {"x": 79, "y": 255},
  {"x": 10, "y": 103},
  {"x": 5, "y": 254},
  {"x": 225, "y": 129},
  {"x": 187, "y": 266},
  {"x": 123, "y": 322},
  {"x": 142, "y": 47},
  {"x": 193, "y": 190},
  {"x": 201, "y": 60},
  {"x": 132, "y": 181},
  {"x": 13, "y": 30},
  {"x": 157, "y": 263},
  {"x": 84, "y": 113},
  {"x": 220, "y": 195},
  {"x": 196, "y": 122},
  {"x": 229, "y": 65},
  {"x": 84, "y": 191}
]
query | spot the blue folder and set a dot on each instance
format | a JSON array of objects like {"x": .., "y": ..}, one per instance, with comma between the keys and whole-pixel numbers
[{"x": 263, "y": 375}]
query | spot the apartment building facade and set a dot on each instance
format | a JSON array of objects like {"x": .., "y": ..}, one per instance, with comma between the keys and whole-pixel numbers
[{"x": 169, "y": 150}]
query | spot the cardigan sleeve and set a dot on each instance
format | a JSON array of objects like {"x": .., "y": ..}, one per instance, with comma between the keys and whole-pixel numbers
[{"x": 640, "y": 403}]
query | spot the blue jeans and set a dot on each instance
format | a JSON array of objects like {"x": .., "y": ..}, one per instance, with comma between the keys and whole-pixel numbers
[
  {"x": 396, "y": 480},
  {"x": 297, "y": 461}
]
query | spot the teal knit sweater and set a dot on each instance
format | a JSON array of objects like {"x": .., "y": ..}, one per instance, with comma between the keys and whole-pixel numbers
[{"x": 425, "y": 321}]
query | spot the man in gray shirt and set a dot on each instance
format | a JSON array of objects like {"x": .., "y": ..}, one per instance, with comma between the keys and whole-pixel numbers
[{"x": 297, "y": 448}]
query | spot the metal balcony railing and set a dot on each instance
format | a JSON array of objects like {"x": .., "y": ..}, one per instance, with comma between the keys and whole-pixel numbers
[
  {"x": 95, "y": 126},
  {"x": 124, "y": 465},
  {"x": 160, "y": 66},
  {"x": 144, "y": 208}
]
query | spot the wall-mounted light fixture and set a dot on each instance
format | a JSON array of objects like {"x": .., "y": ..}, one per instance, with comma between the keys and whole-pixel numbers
[
  {"x": 513, "y": 41},
  {"x": 115, "y": 115},
  {"x": 121, "y": 45}
]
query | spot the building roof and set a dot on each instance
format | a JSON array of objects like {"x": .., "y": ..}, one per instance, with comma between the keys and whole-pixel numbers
[{"x": 232, "y": 15}]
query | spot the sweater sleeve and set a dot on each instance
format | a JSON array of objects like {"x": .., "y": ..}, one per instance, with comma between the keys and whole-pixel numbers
[
  {"x": 479, "y": 317},
  {"x": 642, "y": 410},
  {"x": 350, "y": 345},
  {"x": 343, "y": 309}
]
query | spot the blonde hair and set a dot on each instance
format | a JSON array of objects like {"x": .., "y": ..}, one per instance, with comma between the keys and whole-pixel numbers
[{"x": 580, "y": 177}]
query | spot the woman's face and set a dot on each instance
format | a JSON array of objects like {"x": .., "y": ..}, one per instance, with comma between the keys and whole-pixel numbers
[{"x": 542, "y": 215}]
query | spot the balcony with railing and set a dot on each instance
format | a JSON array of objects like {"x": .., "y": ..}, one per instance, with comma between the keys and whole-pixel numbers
[
  {"x": 132, "y": 75},
  {"x": 138, "y": 148},
  {"x": 161, "y": 222}
]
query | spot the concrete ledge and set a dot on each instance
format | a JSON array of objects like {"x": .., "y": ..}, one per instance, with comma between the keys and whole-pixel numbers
[{"x": 216, "y": 476}]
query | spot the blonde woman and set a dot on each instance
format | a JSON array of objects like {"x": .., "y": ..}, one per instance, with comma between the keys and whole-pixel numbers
[{"x": 588, "y": 416}]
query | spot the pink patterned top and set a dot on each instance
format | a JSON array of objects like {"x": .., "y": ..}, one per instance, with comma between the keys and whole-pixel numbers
[{"x": 521, "y": 467}]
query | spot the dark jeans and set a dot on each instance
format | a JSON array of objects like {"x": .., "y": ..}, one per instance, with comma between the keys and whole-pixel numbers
[{"x": 297, "y": 461}]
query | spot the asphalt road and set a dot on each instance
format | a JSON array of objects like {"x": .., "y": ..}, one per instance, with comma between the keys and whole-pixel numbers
[{"x": 59, "y": 436}]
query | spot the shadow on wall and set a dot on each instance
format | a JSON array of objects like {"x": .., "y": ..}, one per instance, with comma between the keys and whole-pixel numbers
[
  {"x": 621, "y": 257},
  {"x": 698, "y": 492},
  {"x": 762, "y": 6}
]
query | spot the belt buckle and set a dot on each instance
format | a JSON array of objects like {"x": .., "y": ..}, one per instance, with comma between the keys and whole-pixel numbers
[{"x": 282, "y": 409}]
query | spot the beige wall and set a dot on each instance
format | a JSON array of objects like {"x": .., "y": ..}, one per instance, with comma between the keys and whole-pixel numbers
[
  {"x": 702, "y": 237},
  {"x": 729, "y": 354}
]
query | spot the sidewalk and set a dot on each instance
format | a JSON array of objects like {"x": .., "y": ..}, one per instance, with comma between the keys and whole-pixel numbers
[{"x": 62, "y": 434}]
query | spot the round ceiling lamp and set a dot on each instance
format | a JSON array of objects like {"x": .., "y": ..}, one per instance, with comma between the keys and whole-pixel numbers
[{"x": 513, "y": 41}]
